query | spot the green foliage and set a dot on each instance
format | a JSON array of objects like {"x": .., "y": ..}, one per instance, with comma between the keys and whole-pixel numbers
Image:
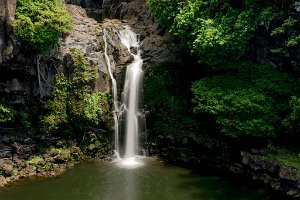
[
  {"x": 287, "y": 35},
  {"x": 158, "y": 88},
  {"x": 57, "y": 106},
  {"x": 74, "y": 102},
  {"x": 288, "y": 23},
  {"x": 165, "y": 10},
  {"x": 245, "y": 99},
  {"x": 292, "y": 121},
  {"x": 6, "y": 112},
  {"x": 214, "y": 30},
  {"x": 170, "y": 113},
  {"x": 95, "y": 145},
  {"x": 214, "y": 34},
  {"x": 40, "y": 23},
  {"x": 288, "y": 157},
  {"x": 293, "y": 41},
  {"x": 35, "y": 160}
]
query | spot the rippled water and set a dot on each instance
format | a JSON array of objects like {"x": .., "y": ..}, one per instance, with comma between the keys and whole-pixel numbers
[{"x": 152, "y": 181}]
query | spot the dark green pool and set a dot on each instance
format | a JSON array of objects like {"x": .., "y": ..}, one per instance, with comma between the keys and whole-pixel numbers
[{"x": 152, "y": 181}]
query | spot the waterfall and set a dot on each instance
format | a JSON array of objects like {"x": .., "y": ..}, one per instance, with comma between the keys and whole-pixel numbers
[
  {"x": 131, "y": 91},
  {"x": 128, "y": 110},
  {"x": 116, "y": 110}
]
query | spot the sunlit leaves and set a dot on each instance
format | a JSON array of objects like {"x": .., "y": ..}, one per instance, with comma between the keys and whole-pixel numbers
[
  {"x": 40, "y": 23},
  {"x": 215, "y": 31},
  {"x": 6, "y": 112}
]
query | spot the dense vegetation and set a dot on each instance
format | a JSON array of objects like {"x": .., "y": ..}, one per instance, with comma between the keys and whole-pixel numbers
[
  {"x": 41, "y": 23},
  {"x": 233, "y": 100},
  {"x": 216, "y": 31},
  {"x": 74, "y": 103},
  {"x": 168, "y": 106},
  {"x": 245, "y": 98},
  {"x": 241, "y": 98}
]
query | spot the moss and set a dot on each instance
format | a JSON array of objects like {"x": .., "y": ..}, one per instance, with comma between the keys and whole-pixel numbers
[
  {"x": 35, "y": 160},
  {"x": 287, "y": 157}
]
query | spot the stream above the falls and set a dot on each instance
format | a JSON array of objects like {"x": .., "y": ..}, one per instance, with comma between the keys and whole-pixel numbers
[{"x": 154, "y": 180}]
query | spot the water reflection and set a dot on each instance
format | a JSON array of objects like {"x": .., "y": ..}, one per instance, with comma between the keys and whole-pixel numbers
[
  {"x": 152, "y": 181},
  {"x": 121, "y": 185}
]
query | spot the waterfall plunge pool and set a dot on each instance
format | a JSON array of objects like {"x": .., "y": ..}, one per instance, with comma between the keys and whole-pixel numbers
[{"x": 154, "y": 180}]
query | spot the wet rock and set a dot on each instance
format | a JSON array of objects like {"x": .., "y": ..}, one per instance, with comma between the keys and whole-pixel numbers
[
  {"x": 28, "y": 141},
  {"x": 18, "y": 162},
  {"x": 3, "y": 181},
  {"x": 48, "y": 158},
  {"x": 62, "y": 157},
  {"x": 277, "y": 175},
  {"x": 30, "y": 169},
  {"x": 85, "y": 3},
  {"x": 287, "y": 173},
  {"x": 6, "y": 167},
  {"x": 53, "y": 152},
  {"x": 86, "y": 36}
]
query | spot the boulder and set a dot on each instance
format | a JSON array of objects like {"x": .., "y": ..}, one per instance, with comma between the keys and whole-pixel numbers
[{"x": 6, "y": 167}]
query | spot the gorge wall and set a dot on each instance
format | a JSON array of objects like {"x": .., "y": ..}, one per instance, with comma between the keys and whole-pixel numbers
[
  {"x": 18, "y": 66},
  {"x": 8, "y": 41}
]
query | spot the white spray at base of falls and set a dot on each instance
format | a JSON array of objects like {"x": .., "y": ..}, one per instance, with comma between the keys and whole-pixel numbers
[{"x": 129, "y": 110}]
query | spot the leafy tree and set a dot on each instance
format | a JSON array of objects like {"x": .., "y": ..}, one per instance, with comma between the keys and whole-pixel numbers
[
  {"x": 165, "y": 10},
  {"x": 40, "y": 23},
  {"x": 244, "y": 99},
  {"x": 292, "y": 121},
  {"x": 214, "y": 30}
]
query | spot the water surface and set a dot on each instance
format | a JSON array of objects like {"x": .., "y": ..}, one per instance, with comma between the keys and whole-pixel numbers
[{"x": 152, "y": 181}]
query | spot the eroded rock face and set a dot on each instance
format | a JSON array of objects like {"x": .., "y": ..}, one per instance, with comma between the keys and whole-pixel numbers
[
  {"x": 8, "y": 40},
  {"x": 157, "y": 45},
  {"x": 278, "y": 176},
  {"x": 87, "y": 35},
  {"x": 19, "y": 67},
  {"x": 86, "y": 3}
]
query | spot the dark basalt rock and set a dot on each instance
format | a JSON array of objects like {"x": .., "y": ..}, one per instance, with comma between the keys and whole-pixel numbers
[
  {"x": 8, "y": 42},
  {"x": 274, "y": 173}
]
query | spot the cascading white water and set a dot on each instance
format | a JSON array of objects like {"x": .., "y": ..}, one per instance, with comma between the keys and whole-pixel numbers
[
  {"x": 116, "y": 109},
  {"x": 131, "y": 91},
  {"x": 129, "y": 110}
]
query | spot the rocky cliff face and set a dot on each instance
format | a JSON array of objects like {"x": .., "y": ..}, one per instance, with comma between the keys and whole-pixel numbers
[
  {"x": 15, "y": 74},
  {"x": 8, "y": 40},
  {"x": 19, "y": 68},
  {"x": 260, "y": 48}
]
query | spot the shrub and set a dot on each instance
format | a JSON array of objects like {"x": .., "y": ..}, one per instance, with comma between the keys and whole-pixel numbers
[
  {"x": 246, "y": 99},
  {"x": 170, "y": 109},
  {"x": 165, "y": 10},
  {"x": 6, "y": 112},
  {"x": 292, "y": 120},
  {"x": 40, "y": 23},
  {"x": 73, "y": 100}
]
